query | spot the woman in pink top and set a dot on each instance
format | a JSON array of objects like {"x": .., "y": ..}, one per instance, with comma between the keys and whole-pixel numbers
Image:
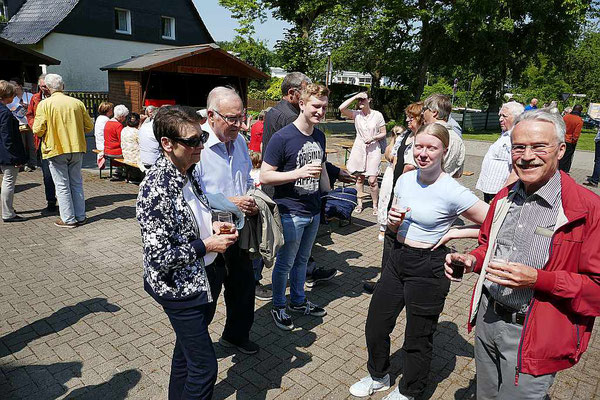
[{"x": 365, "y": 156}]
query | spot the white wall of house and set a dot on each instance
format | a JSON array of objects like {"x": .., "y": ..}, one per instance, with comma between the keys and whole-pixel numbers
[{"x": 82, "y": 56}]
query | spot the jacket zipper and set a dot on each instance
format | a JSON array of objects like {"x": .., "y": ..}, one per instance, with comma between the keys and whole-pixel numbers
[{"x": 529, "y": 308}]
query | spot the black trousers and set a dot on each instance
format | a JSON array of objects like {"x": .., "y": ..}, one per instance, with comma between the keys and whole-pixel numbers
[
  {"x": 565, "y": 163},
  {"x": 412, "y": 278},
  {"x": 194, "y": 365},
  {"x": 488, "y": 197},
  {"x": 238, "y": 280}
]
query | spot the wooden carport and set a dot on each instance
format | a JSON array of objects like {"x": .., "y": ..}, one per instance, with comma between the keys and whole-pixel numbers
[
  {"x": 184, "y": 75},
  {"x": 22, "y": 62}
]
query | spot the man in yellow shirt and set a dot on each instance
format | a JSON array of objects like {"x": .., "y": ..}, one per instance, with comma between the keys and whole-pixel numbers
[{"x": 61, "y": 122}]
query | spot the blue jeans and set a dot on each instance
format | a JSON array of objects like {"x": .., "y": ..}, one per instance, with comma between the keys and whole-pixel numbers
[
  {"x": 299, "y": 235},
  {"x": 595, "y": 178},
  {"x": 66, "y": 173},
  {"x": 194, "y": 366},
  {"x": 48, "y": 182}
]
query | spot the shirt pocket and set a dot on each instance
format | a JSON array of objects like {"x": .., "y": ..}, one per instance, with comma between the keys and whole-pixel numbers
[{"x": 502, "y": 153}]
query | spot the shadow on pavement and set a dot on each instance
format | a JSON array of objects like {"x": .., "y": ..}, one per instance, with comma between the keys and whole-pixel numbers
[
  {"x": 121, "y": 212},
  {"x": 56, "y": 322},
  {"x": 50, "y": 379},
  {"x": 116, "y": 388},
  {"x": 448, "y": 344},
  {"x": 107, "y": 199},
  {"x": 25, "y": 186}
]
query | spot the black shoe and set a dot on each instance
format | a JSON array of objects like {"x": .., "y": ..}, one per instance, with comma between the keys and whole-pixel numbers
[
  {"x": 369, "y": 287},
  {"x": 83, "y": 222},
  {"x": 308, "y": 308},
  {"x": 249, "y": 347},
  {"x": 262, "y": 292},
  {"x": 590, "y": 184},
  {"x": 282, "y": 319},
  {"x": 16, "y": 218},
  {"x": 320, "y": 274}
]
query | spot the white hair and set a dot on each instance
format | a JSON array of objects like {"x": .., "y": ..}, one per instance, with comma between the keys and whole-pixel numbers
[
  {"x": 545, "y": 116},
  {"x": 219, "y": 94},
  {"x": 120, "y": 111},
  {"x": 513, "y": 107},
  {"x": 54, "y": 82}
]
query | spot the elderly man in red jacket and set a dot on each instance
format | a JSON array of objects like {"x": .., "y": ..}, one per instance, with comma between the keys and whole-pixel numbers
[
  {"x": 538, "y": 262},
  {"x": 49, "y": 189}
]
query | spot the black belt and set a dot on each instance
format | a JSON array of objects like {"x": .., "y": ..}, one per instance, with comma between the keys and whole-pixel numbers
[{"x": 505, "y": 313}]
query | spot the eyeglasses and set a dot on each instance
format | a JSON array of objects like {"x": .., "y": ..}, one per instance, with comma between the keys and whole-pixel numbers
[
  {"x": 425, "y": 108},
  {"x": 538, "y": 149},
  {"x": 505, "y": 116},
  {"x": 232, "y": 120},
  {"x": 194, "y": 141}
]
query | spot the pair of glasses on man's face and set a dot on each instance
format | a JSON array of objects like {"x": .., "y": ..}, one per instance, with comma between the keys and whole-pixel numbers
[
  {"x": 232, "y": 120},
  {"x": 538, "y": 149},
  {"x": 194, "y": 141}
]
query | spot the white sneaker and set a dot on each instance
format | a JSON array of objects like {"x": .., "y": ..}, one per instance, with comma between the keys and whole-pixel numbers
[
  {"x": 396, "y": 395},
  {"x": 367, "y": 386}
]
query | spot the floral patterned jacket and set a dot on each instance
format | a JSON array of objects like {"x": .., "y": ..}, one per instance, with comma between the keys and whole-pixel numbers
[{"x": 173, "y": 253}]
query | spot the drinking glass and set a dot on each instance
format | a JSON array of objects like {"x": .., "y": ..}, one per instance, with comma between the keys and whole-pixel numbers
[{"x": 227, "y": 218}]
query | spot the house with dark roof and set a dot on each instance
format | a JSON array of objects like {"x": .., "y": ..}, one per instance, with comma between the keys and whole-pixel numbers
[{"x": 88, "y": 34}]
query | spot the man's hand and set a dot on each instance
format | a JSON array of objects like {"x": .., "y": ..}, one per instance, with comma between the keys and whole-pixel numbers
[
  {"x": 345, "y": 177},
  {"x": 245, "y": 203},
  {"x": 467, "y": 259},
  {"x": 512, "y": 275},
  {"x": 309, "y": 171}
]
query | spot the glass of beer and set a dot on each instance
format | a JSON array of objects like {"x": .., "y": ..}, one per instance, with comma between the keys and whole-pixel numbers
[
  {"x": 227, "y": 222},
  {"x": 317, "y": 162}
]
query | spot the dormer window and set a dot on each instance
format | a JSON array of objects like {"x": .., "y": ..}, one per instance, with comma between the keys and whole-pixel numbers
[
  {"x": 122, "y": 21},
  {"x": 167, "y": 29}
]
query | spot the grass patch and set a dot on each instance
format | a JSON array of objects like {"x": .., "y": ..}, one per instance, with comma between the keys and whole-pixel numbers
[{"x": 585, "y": 142}]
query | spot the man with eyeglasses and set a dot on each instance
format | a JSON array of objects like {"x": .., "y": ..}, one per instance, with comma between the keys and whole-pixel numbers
[
  {"x": 225, "y": 168},
  {"x": 496, "y": 169},
  {"x": 537, "y": 294},
  {"x": 49, "y": 190}
]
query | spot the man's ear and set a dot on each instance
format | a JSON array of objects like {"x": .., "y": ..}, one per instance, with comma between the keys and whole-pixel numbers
[{"x": 561, "y": 150}]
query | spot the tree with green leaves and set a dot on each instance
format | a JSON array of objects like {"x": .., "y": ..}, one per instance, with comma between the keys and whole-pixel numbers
[{"x": 254, "y": 52}]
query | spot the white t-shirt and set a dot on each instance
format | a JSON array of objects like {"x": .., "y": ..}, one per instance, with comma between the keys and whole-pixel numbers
[
  {"x": 433, "y": 208},
  {"x": 149, "y": 147},
  {"x": 203, "y": 217},
  {"x": 99, "y": 131}
]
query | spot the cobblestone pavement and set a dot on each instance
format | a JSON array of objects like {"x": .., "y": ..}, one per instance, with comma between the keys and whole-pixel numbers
[{"x": 76, "y": 322}]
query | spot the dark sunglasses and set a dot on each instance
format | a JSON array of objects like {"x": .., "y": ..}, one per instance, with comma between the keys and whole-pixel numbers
[{"x": 194, "y": 141}]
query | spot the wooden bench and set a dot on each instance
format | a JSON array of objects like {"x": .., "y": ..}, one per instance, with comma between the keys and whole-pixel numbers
[{"x": 111, "y": 159}]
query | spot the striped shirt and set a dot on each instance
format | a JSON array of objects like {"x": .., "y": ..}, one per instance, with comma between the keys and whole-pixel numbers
[
  {"x": 496, "y": 166},
  {"x": 525, "y": 236}
]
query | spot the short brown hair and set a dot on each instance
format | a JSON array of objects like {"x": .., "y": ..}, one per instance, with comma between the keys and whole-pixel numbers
[
  {"x": 313, "y": 89},
  {"x": 169, "y": 121},
  {"x": 415, "y": 111},
  {"x": 7, "y": 89},
  {"x": 105, "y": 107}
]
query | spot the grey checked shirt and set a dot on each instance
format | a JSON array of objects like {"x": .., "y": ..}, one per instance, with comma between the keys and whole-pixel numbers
[{"x": 525, "y": 236}]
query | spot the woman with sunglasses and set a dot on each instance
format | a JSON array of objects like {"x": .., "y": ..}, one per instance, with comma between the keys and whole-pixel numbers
[
  {"x": 365, "y": 156},
  {"x": 427, "y": 202},
  {"x": 180, "y": 247}
]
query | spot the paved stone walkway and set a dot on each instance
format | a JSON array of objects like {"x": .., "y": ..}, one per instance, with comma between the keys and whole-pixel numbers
[{"x": 76, "y": 322}]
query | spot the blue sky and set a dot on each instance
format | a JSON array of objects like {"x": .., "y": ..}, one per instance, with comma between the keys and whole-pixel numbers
[{"x": 222, "y": 27}]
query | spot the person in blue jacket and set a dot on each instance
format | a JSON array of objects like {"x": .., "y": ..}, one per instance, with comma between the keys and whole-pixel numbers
[{"x": 12, "y": 152}]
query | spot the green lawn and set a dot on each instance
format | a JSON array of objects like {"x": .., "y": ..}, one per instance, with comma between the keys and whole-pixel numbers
[{"x": 586, "y": 140}]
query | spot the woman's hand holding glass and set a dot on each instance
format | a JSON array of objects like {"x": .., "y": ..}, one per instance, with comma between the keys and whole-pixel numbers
[
  {"x": 397, "y": 214},
  {"x": 225, "y": 234}
]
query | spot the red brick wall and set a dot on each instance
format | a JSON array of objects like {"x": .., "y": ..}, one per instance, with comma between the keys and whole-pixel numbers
[{"x": 125, "y": 88}]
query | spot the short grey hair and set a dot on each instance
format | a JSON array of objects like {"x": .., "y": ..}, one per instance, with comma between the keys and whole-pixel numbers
[
  {"x": 42, "y": 77},
  {"x": 120, "y": 111},
  {"x": 440, "y": 103},
  {"x": 54, "y": 82},
  {"x": 293, "y": 80},
  {"x": 218, "y": 94},
  {"x": 545, "y": 116},
  {"x": 513, "y": 107}
]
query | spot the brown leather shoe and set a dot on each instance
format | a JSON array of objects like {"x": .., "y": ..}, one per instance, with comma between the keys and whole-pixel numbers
[{"x": 59, "y": 222}]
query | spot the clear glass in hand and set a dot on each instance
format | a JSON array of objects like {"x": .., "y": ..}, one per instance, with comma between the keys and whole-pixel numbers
[{"x": 227, "y": 221}]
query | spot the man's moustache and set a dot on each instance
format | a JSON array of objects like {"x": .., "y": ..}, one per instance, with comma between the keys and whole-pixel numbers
[{"x": 528, "y": 165}]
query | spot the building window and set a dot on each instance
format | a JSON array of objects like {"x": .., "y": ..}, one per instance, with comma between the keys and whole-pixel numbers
[
  {"x": 364, "y": 81},
  {"x": 167, "y": 28},
  {"x": 122, "y": 21}
]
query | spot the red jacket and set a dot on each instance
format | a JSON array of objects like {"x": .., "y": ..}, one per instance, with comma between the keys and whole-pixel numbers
[
  {"x": 30, "y": 115},
  {"x": 112, "y": 138},
  {"x": 573, "y": 123},
  {"x": 566, "y": 298}
]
